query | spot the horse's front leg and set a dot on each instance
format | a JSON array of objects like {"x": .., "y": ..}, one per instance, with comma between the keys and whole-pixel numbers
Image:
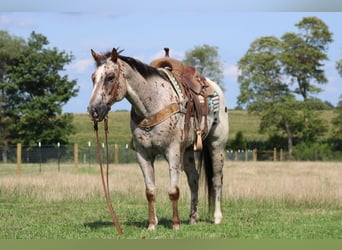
[
  {"x": 147, "y": 168},
  {"x": 173, "y": 158}
]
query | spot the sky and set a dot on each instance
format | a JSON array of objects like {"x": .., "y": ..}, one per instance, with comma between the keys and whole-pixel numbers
[{"x": 143, "y": 29}]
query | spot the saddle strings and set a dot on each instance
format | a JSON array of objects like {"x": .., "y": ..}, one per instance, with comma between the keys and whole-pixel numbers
[{"x": 105, "y": 182}]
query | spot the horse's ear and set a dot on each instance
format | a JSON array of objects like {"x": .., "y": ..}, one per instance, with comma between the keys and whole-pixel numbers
[
  {"x": 95, "y": 55},
  {"x": 114, "y": 55}
]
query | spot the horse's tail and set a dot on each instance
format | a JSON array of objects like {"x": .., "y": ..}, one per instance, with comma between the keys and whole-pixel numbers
[{"x": 207, "y": 163}]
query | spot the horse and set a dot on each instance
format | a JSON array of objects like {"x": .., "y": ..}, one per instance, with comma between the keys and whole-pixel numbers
[{"x": 150, "y": 92}]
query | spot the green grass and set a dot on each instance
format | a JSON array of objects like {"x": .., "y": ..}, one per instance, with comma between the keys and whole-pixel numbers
[
  {"x": 119, "y": 129},
  {"x": 261, "y": 200},
  {"x": 120, "y": 133},
  {"x": 240, "y": 120},
  {"x": 243, "y": 220}
]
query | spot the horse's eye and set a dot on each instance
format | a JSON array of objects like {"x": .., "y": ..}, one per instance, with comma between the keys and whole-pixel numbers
[{"x": 110, "y": 78}]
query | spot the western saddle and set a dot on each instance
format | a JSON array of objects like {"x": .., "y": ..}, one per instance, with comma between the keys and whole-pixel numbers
[{"x": 195, "y": 88}]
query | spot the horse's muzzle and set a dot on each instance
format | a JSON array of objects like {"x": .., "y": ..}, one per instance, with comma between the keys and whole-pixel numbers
[{"x": 98, "y": 112}]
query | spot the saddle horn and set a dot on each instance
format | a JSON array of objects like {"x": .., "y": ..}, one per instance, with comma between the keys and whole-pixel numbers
[
  {"x": 168, "y": 62},
  {"x": 166, "y": 52}
]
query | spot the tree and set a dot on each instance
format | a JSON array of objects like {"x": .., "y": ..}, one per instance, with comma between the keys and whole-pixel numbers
[
  {"x": 303, "y": 58},
  {"x": 339, "y": 67},
  {"x": 10, "y": 48},
  {"x": 239, "y": 143},
  {"x": 337, "y": 120},
  {"x": 205, "y": 59},
  {"x": 263, "y": 89},
  {"x": 260, "y": 77},
  {"x": 304, "y": 53},
  {"x": 268, "y": 70},
  {"x": 35, "y": 91},
  {"x": 337, "y": 126}
]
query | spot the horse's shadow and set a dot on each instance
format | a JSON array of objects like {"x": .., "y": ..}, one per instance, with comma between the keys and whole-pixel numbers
[{"x": 96, "y": 225}]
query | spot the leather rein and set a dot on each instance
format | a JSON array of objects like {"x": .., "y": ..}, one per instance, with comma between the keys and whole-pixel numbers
[{"x": 105, "y": 181}]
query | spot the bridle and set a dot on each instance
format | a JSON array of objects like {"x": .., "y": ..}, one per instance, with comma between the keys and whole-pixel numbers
[
  {"x": 114, "y": 91},
  {"x": 105, "y": 182}
]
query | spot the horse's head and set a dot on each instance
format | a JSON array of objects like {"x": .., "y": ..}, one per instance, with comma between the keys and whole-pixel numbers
[{"x": 108, "y": 85}]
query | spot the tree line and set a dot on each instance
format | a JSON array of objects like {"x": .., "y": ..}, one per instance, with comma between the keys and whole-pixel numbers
[{"x": 279, "y": 78}]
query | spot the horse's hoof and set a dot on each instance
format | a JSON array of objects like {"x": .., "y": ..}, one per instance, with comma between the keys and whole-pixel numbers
[
  {"x": 193, "y": 221},
  {"x": 151, "y": 227},
  {"x": 218, "y": 217},
  {"x": 218, "y": 220},
  {"x": 194, "y": 218},
  {"x": 176, "y": 226}
]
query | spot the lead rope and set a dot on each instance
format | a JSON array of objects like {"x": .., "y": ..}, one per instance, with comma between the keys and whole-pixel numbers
[{"x": 105, "y": 183}]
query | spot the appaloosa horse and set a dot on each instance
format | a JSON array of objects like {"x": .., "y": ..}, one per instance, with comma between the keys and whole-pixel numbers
[{"x": 158, "y": 117}]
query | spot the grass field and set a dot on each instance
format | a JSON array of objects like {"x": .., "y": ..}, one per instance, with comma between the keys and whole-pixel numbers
[
  {"x": 120, "y": 133},
  {"x": 261, "y": 200}
]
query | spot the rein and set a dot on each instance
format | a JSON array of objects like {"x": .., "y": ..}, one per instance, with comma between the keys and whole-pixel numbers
[{"x": 105, "y": 182}]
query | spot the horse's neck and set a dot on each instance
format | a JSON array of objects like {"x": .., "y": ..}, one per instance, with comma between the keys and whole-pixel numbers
[{"x": 147, "y": 96}]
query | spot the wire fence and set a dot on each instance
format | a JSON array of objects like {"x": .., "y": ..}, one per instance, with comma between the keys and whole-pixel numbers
[
  {"x": 67, "y": 157},
  {"x": 21, "y": 159},
  {"x": 118, "y": 154},
  {"x": 68, "y": 154}
]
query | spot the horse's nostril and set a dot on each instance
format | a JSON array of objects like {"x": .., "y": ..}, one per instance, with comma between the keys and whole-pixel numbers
[
  {"x": 92, "y": 112},
  {"x": 97, "y": 112}
]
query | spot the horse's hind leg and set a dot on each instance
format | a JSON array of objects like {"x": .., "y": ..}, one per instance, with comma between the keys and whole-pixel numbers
[
  {"x": 193, "y": 178},
  {"x": 217, "y": 158}
]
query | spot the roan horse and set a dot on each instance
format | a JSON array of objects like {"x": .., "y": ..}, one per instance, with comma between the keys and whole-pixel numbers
[{"x": 151, "y": 92}]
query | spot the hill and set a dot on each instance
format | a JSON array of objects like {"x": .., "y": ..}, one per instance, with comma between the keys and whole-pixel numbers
[{"x": 119, "y": 129}]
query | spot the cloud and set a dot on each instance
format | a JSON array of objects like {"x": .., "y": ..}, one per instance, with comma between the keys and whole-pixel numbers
[
  {"x": 231, "y": 72},
  {"x": 9, "y": 21},
  {"x": 82, "y": 65}
]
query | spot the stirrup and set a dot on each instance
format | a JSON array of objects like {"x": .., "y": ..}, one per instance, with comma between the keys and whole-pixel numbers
[{"x": 198, "y": 143}]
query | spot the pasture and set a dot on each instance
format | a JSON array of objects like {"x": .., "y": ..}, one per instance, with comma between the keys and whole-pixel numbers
[
  {"x": 119, "y": 131},
  {"x": 261, "y": 200}
]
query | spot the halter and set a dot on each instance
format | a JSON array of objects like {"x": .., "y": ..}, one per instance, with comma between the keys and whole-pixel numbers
[{"x": 105, "y": 182}]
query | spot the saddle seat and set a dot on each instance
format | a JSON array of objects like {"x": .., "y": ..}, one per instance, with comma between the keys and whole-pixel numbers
[
  {"x": 195, "y": 88},
  {"x": 188, "y": 75}
]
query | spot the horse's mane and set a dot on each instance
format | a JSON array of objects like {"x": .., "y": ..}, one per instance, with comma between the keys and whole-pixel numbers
[{"x": 144, "y": 69}]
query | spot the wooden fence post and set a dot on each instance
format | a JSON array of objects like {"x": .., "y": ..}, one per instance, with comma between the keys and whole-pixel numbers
[
  {"x": 281, "y": 157},
  {"x": 116, "y": 154},
  {"x": 255, "y": 154},
  {"x": 19, "y": 159},
  {"x": 274, "y": 154},
  {"x": 76, "y": 155}
]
